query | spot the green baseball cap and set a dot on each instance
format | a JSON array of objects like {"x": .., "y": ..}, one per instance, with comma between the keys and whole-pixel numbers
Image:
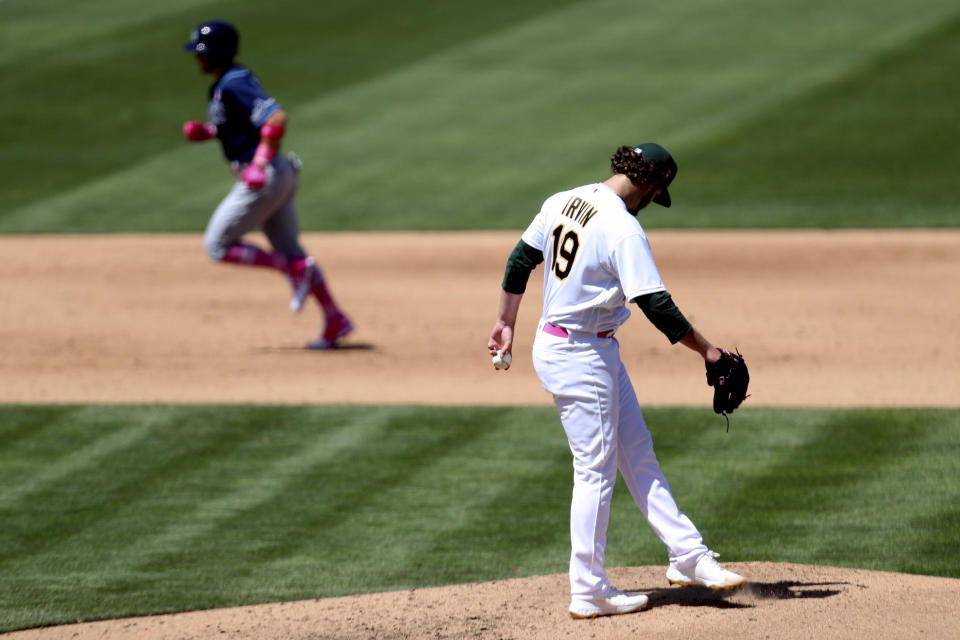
[{"x": 664, "y": 165}]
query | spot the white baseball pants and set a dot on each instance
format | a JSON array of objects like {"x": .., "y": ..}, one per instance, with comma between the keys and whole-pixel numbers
[{"x": 606, "y": 431}]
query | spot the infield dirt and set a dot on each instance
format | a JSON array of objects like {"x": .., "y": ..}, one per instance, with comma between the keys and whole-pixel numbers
[{"x": 823, "y": 318}]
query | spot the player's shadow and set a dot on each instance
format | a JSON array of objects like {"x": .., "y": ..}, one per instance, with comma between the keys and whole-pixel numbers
[
  {"x": 785, "y": 590},
  {"x": 704, "y": 597},
  {"x": 350, "y": 346}
]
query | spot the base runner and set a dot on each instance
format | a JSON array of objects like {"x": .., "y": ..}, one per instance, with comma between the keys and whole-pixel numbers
[{"x": 250, "y": 124}]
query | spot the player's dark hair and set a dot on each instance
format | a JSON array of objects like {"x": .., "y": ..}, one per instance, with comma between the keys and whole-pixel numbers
[{"x": 638, "y": 168}]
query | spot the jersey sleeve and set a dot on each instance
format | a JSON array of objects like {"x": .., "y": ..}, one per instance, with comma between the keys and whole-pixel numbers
[
  {"x": 634, "y": 263},
  {"x": 248, "y": 91},
  {"x": 536, "y": 234},
  {"x": 521, "y": 263},
  {"x": 663, "y": 313}
]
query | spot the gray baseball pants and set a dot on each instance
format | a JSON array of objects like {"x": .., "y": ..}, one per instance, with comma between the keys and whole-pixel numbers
[{"x": 270, "y": 209}]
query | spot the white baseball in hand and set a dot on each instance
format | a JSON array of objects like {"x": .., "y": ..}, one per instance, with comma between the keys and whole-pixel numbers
[{"x": 502, "y": 360}]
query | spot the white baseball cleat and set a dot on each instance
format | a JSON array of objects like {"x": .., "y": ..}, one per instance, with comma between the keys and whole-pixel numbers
[
  {"x": 303, "y": 284},
  {"x": 707, "y": 572},
  {"x": 615, "y": 602}
]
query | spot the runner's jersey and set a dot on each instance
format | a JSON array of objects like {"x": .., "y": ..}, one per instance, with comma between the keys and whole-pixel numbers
[
  {"x": 596, "y": 257},
  {"x": 238, "y": 107}
]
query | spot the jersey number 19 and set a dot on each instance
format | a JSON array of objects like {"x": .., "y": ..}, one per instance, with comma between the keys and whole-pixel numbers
[{"x": 565, "y": 248}]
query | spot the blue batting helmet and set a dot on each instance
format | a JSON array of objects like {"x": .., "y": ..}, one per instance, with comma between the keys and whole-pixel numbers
[{"x": 217, "y": 39}]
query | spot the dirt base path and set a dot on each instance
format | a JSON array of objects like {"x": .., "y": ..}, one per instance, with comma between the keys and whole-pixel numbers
[{"x": 824, "y": 319}]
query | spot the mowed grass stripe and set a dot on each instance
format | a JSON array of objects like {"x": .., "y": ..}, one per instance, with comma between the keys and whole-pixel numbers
[
  {"x": 712, "y": 474},
  {"x": 23, "y": 478},
  {"x": 214, "y": 509},
  {"x": 101, "y": 94},
  {"x": 912, "y": 470},
  {"x": 768, "y": 68},
  {"x": 362, "y": 506},
  {"x": 843, "y": 137},
  {"x": 866, "y": 488},
  {"x": 118, "y": 536},
  {"x": 846, "y": 488},
  {"x": 124, "y": 495},
  {"x": 221, "y": 506},
  {"x": 552, "y": 115},
  {"x": 465, "y": 128},
  {"x": 49, "y": 486},
  {"x": 203, "y": 465},
  {"x": 34, "y": 29},
  {"x": 509, "y": 482},
  {"x": 269, "y": 476}
]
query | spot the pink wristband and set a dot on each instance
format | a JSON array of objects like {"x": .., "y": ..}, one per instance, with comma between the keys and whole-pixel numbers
[
  {"x": 265, "y": 151},
  {"x": 199, "y": 131},
  {"x": 272, "y": 132},
  {"x": 264, "y": 154}
]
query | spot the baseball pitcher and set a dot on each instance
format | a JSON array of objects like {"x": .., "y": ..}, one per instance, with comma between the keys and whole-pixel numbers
[{"x": 596, "y": 258}]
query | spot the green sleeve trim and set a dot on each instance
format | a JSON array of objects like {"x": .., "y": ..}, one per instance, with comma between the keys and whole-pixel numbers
[
  {"x": 521, "y": 263},
  {"x": 664, "y": 314}
]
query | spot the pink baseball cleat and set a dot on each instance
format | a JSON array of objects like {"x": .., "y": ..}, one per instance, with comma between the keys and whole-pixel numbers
[
  {"x": 303, "y": 283},
  {"x": 338, "y": 326}
]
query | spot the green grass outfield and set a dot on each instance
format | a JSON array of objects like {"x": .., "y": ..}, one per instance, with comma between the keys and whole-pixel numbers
[
  {"x": 466, "y": 115},
  {"x": 124, "y": 510}
]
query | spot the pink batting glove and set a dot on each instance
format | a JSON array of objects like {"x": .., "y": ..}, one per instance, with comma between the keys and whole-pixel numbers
[
  {"x": 254, "y": 176},
  {"x": 197, "y": 131}
]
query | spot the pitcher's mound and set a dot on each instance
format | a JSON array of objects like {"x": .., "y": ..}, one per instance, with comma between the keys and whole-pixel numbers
[{"x": 783, "y": 602}]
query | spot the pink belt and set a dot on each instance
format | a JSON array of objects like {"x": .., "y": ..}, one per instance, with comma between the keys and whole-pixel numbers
[{"x": 560, "y": 332}]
